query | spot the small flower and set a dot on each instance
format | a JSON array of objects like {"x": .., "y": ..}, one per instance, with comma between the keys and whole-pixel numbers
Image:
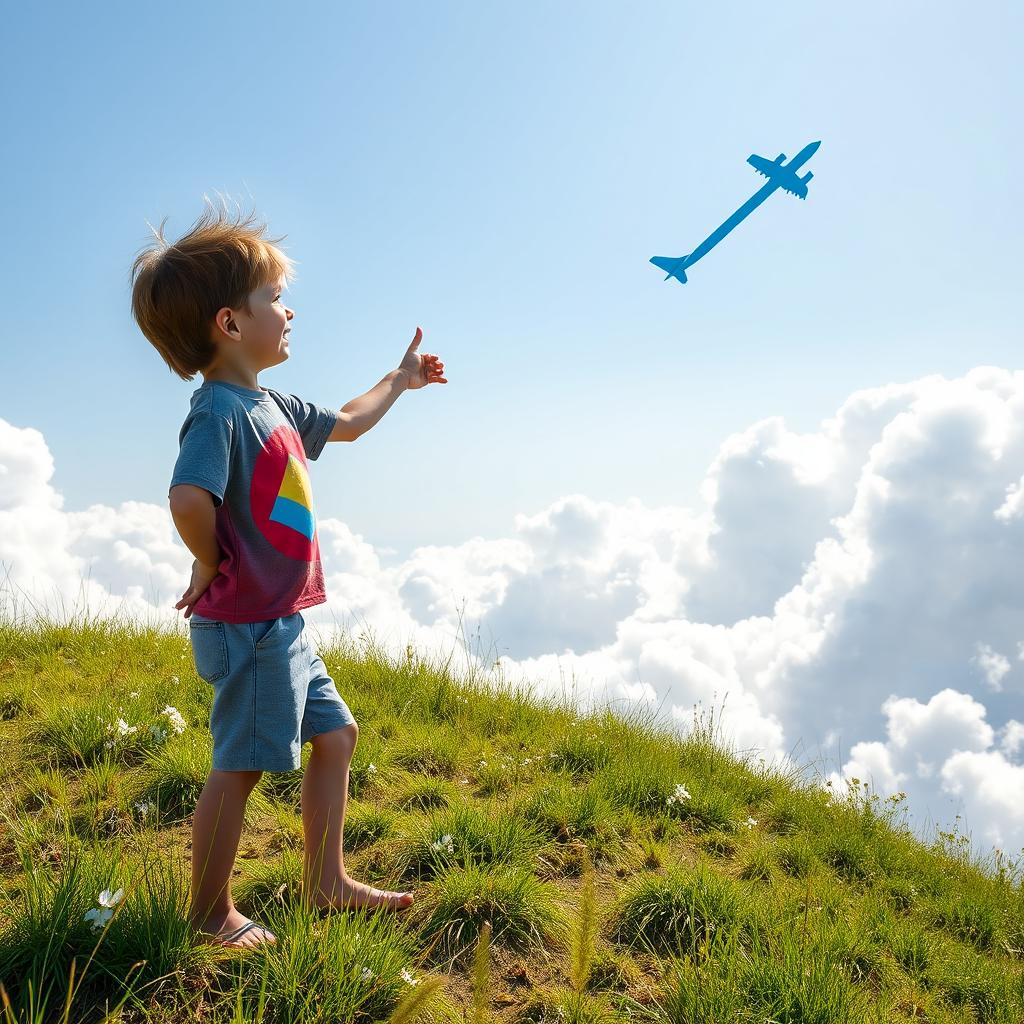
[
  {"x": 750, "y": 822},
  {"x": 371, "y": 769},
  {"x": 110, "y": 900},
  {"x": 444, "y": 843},
  {"x": 124, "y": 729},
  {"x": 175, "y": 680},
  {"x": 98, "y": 917},
  {"x": 466, "y": 781},
  {"x": 177, "y": 722},
  {"x": 102, "y": 914},
  {"x": 108, "y": 744},
  {"x": 144, "y": 807},
  {"x": 366, "y": 975},
  {"x": 407, "y": 977},
  {"x": 134, "y": 694}
]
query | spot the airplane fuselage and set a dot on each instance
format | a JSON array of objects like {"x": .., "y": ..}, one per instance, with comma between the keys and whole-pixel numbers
[{"x": 777, "y": 180}]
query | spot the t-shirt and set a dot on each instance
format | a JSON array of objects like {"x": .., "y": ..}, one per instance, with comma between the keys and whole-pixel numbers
[{"x": 249, "y": 450}]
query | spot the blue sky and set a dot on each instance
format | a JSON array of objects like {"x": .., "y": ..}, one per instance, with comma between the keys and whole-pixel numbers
[{"x": 500, "y": 176}]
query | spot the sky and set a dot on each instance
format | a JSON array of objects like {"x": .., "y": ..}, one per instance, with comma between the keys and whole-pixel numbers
[{"x": 613, "y": 453}]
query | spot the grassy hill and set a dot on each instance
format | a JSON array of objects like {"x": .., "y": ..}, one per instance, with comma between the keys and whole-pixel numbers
[{"x": 566, "y": 868}]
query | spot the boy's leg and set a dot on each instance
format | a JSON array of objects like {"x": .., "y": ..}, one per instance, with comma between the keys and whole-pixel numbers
[
  {"x": 216, "y": 830},
  {"x": 324, "y": 796}
]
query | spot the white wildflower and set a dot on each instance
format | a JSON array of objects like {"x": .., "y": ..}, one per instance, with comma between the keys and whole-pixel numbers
[
  {"x": 102, "y": 914},
  {"x": 124, "y": 729},
  {"x": 681, "y": 794},
  {"x": 177, "y": 722},
  {"x": 134, "y": 694},
  {"x": 750, "y": 822},
  {"x": 444, "y": 843},
  {"x": 175, "y": 680},
  {"x": 407, "y": 977},
  {"x": 108, "y": 744},
  {"x": 144, "y": 807},
  {"x": 367, "y": 974},
  {"x": 98, "y": 917},
  {"x": 371, "y": 769}
]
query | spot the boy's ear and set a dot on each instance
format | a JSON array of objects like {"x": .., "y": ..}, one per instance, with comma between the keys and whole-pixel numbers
[{"x": 224, "y": 322}]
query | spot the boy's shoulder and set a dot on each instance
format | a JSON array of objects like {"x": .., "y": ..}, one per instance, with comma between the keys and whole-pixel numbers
[{"x": 224, "y": 399}]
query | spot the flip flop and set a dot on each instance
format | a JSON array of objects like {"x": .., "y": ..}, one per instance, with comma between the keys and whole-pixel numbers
[{"x": 223, "y": 938}]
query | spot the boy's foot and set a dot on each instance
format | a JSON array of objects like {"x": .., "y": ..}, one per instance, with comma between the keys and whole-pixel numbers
[
  {"x": 352, "y": 895},
  {"x": 237, "y": 932}
]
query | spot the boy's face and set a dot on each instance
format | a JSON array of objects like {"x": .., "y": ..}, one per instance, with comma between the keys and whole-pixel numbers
[{"x": 263, "y": 340}]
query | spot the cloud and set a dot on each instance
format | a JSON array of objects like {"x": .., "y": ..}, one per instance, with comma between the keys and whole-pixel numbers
[{"x": 852, "y": 591}]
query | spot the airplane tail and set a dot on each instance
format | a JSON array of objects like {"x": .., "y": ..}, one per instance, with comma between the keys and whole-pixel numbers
[{"x": 673, "y": 265}]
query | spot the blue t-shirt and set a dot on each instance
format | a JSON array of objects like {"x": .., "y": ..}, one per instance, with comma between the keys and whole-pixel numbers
[{"x": 249, "y": 450}]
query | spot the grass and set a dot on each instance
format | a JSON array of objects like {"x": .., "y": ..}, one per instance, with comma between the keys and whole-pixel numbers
[{"x": 568, "y": 867}]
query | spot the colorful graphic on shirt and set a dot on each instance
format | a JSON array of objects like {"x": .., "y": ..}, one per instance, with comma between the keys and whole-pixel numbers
[{"x": 281, "y": 496}]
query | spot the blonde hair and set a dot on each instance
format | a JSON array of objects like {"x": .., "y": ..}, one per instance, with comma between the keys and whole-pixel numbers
[{"x": 178, "y": 287}]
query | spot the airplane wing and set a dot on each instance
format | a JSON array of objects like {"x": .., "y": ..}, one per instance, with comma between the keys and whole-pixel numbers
[
  {"x": 797, "y": 185},
  {"x": 763, "y": 166}
]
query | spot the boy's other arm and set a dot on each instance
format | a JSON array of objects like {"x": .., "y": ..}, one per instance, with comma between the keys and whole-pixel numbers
[
  {"x": 356, "y": 417},
  {"x": 195, "y": 518}
]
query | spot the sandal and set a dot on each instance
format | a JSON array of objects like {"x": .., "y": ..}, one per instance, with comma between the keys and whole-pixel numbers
[{"x": 225, "y": 938}]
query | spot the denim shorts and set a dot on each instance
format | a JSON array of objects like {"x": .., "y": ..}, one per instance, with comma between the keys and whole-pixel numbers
[{"x": 271, "y": 691}]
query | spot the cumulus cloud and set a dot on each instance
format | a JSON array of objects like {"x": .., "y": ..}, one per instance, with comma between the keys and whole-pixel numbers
[{"x": 852, "y": 591}]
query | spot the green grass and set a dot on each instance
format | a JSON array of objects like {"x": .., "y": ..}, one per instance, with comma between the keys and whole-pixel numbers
[{"x": 567, "y": 867}]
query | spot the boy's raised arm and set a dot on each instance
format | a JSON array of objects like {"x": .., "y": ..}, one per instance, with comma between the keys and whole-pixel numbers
[{"x": 356, "y": 417}]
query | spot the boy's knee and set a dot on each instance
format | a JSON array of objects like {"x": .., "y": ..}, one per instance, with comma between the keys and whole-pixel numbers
[
  {"x": 344, "y": 738},
  {"x": 239, "y": 780}
]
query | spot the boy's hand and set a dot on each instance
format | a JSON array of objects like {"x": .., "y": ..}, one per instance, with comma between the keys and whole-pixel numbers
[
  {"x": 423, "y": 369},
  {"x": 202, "y": 577}
]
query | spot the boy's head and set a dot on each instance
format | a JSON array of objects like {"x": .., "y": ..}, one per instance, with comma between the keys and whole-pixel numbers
[{"x": 212, "y": 299}]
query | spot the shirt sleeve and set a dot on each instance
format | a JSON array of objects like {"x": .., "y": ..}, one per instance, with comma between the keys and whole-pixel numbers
[
  {"x": 205, "y": 454},
  {"x": 313, "y": 422}
]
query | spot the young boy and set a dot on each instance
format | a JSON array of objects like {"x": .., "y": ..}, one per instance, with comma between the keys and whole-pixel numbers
[{"x": 241, "y": 499}]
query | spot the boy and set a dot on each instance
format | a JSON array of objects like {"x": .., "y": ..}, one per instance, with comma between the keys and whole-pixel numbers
[{"x": 241, "y": 499}]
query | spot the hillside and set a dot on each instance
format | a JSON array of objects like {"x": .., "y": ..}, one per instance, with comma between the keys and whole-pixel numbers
[{"x": 625, "y": 874}]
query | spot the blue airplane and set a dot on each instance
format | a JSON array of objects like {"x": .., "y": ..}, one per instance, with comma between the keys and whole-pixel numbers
[{"x": 779, "y": 175}]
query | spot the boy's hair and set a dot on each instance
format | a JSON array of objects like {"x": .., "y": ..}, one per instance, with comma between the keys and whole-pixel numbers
[{"x": 178, "y": 288}]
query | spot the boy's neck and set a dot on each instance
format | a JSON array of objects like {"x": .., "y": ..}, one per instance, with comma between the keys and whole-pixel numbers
[{"x": 233, "y": 378}]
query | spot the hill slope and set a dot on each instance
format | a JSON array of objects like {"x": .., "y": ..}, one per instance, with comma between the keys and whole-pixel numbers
[{"x": 566, "y": 868}]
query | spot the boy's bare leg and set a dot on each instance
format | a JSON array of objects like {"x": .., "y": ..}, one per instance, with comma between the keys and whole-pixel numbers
[
  {"x": 216, "y": 830},
  {"x": 324, "y": 796}
]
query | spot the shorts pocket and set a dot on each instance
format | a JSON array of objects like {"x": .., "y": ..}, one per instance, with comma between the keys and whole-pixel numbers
[
  {"x": 209, "y": 649},
  {"x": 264, "y": 632}
]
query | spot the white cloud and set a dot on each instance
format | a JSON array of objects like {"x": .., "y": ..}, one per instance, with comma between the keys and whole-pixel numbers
[
  {"x": 851, "y": 589},
  {"x": 993, "y": 664}
]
